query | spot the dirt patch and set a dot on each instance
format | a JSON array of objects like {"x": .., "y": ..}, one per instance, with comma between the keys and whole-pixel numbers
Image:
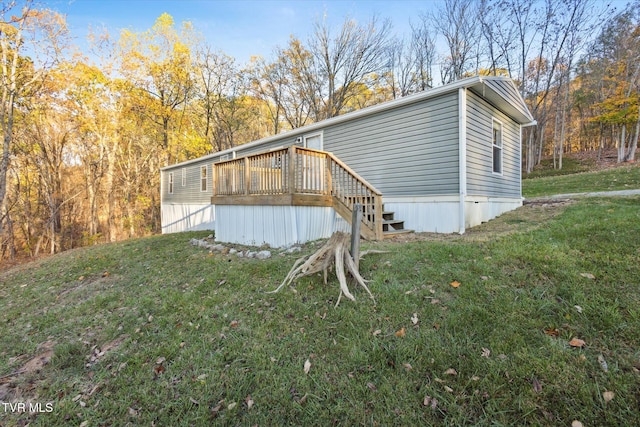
[
  {"x": 13, "y": 390},
  {"x": 529, "y": 217}
]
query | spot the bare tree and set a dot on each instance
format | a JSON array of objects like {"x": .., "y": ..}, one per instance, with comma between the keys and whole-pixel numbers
[
  {"x": 456, "y": 21},
  {"x": 345, "y": 59}
]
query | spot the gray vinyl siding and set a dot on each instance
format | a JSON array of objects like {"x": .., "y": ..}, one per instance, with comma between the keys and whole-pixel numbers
[
  {"x": 408, "y": 151},
  {"x": 189, "y": 194},
  {"x": 480, "y": 177},
  {"x": 508, "y": 91}
]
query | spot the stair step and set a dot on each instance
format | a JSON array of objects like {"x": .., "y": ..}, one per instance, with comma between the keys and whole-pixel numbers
[
  {"x": 388, "y": 215},
  {"x": 392, "y": 225}
]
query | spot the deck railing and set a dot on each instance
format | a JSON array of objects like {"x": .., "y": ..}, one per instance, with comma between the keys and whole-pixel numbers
[{"x": 301, "y": 171}]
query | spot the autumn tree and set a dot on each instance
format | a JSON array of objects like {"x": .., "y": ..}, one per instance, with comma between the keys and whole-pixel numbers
[
  {"x": 41, "y": 32},
  {"x": 158, "y": 62}
]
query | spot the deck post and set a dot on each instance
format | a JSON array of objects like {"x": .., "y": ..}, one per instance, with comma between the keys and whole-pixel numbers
[
  {"x": 292, "y": 169},
  {"x": 356, "y": 222},
  {"x": 377, "y": 218},
  {"x": 328, "y": 181},
  {"x": 214, "y": 179},
  {"x": 247, "y": 176}
]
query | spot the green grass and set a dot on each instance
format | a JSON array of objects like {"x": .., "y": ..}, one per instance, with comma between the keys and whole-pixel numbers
[
  {"x": 225, "y": 342},
  {"x": 619, "y": 178},
  {"x": 233, "y": 355},
  {"x": 570, "y": 165}
]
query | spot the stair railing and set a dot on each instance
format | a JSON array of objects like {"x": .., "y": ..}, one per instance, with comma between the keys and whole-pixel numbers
[{"x": 299, "y": 170}]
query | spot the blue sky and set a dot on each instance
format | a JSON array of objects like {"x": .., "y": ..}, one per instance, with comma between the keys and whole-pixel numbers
[{"x": 239, "y": 28}]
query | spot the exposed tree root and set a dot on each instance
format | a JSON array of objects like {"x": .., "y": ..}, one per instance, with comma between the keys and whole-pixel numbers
[{"x": 333, "y": 253}]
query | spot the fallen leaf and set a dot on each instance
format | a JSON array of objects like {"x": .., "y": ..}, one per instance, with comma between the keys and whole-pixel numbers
[
  {"x": 216, "y": 409},
  {"x": 407, "y": 366},
  {"x": 106, "y": 274},
  {"x": 232, "y": 405},
  {"x": 553, "y": 332},
  {"x": 414, "y": 318},
  {"x": 578, "y": 308},
  {"x": 249, "y": 402},
  {"x": 234, "y": 323},
  {"x": 435, "y": 301},
  {"x": 537, "y": 386},
  {"x": 372, "y": 386},
  {"x": 485, "y": 352},
  {"x": 195, "y": 402},
  {"x": 159, "y": 369},
  {"x": 577, "y": 342},
  {"x": 484, "y": 277},
  {"x": 307, "y": 366},
  {"x": 160, "y": 360},
  {"x": 603, "y": 363},
  {"x": 401, "y": 333},
  {"x": 588, "y": 276},
  {"x": 377, "y": 332},
  {"x": 451, "y": 371},
  {"x": 475, "y": 378},
  {"x": 133, "y": 412},
  {"x": 455, "y": 284},
  {"x": 608, "y": 396},
  {"x": 576, "y": 423},
  {"x": 430, "y": 401},
  {"x": 449, "y": 389}
]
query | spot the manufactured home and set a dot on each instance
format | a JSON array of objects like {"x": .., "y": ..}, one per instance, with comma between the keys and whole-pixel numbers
[{"x": 442, "y": 160}]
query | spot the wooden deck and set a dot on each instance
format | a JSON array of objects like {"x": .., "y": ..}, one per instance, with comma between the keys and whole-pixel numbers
[{"x": 297, "y": 176}]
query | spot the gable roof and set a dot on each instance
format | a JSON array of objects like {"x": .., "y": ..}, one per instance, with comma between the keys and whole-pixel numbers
[{"x": 498, "y": 90}]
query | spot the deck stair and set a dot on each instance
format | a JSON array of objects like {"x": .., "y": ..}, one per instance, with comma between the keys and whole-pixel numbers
[
  {"x": 392, "y": 227},
  {"x": 299, "y": 176}
]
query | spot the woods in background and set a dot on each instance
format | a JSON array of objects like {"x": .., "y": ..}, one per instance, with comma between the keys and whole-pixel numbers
[{"x": 84, "y": 135}]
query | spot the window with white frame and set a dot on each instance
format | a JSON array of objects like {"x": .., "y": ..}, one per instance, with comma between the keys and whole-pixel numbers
[
  {"x": 170, "y": 183},
  {"x": 497, "y": 147},
  {"x": 203, "y": 178},
  {"x": 184, "y": 177}
]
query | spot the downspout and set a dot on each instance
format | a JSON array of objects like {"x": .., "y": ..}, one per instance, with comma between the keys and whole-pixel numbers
[{"x": 462, "y": 152}]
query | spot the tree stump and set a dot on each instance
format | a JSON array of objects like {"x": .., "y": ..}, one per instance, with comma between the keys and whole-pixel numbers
[{"x": 334, "y": 253}]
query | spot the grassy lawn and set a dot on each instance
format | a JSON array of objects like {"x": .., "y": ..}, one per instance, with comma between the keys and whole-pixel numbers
[
  {"x": 619, "y": 178},
  {"x": 157, "y": 332}
]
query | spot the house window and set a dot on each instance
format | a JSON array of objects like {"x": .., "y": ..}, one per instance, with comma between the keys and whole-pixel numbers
[
  {"x": 170, "y": 182},
  {"x": 184, "y": 177},
  {"x": 203, "y": 178},
  {"x": 497, "y": 147}
]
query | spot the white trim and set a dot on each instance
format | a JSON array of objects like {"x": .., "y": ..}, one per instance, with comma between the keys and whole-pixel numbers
[
  {"x": 462, "y": 151},
  {"x": 501, "y": 146},
  {"x": 171, "y": 183},
  {"x": 444, "y": 198},
  {"x": 205, "y": 177},
  {"x": 519, "y": 166}
]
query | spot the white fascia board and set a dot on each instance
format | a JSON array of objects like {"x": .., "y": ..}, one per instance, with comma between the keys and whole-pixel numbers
[{"x": 462, "y": 152}]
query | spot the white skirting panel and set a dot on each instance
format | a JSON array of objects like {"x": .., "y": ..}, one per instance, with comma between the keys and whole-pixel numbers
[
  {"x": 187, "y": 217},
  {"x": 482, "y": 209},
  {"x": 276, "y": 226},
  {"x": 441, "y": 214},
  {"x": 420, "y": 215}
]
